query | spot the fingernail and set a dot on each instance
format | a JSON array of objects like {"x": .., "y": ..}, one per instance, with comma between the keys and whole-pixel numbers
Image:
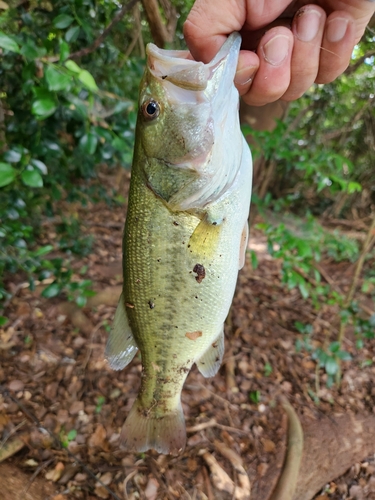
[
  {"x": 336, "y": 29},
  {"x": 244, "y": 75},
  {"x": 307, "y": 24},
  {"x": 276, "y": 50}
]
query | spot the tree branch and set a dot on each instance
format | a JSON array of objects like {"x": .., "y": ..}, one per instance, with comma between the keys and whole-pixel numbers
[{"x": 83, "y": 52}]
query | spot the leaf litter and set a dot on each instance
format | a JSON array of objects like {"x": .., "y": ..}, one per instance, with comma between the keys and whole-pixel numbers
[{"x": 62, "y": 407}]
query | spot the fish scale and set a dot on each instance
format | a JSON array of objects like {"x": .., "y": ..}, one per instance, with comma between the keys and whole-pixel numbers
[{"x": 185, "y": 236}]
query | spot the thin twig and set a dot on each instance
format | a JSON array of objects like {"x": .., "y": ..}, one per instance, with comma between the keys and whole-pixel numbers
[
  {"x": 120, "y": 14},
  {"x": 35, "y": 473}
]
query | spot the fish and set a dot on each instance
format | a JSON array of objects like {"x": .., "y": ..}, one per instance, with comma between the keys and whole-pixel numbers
[{"x": 185, "y": 236}]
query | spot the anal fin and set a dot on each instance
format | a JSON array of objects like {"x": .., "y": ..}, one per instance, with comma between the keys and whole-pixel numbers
[
  {"x": 121, "y": 346},
  {"x": 210, "y": 362}
]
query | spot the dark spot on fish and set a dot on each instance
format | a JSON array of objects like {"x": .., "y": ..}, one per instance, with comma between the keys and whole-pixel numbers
[
  {"x": 183, "y": 369},
  {"x": 159, "y": 260},
  {"x": 215, "y": 344},
  {"x": 175, "y": 223},
  {"x": 164, "y": 77},
  {"x": 137, "y": 281},
  {"x": 196, "y": 296},
  {"x": 217, "y": 359},
  {"x": 128, "y": 304},
  {"x": 189, "y": 246},
  {"x": 214, "y": 223},
  {"x": 151, "y": 304},
  {"x": 183, "y": 243},
  {"x": 201, "y": 272}
]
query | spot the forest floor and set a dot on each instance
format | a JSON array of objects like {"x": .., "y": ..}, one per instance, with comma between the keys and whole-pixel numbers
[{"x": 62, "y": 407}]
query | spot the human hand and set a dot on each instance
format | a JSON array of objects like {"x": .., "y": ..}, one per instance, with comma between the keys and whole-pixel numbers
[{"x": 296, "y": 43}]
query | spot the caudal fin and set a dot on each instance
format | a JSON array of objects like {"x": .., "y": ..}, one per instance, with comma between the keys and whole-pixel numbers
[{"x": 144, "y": 431}]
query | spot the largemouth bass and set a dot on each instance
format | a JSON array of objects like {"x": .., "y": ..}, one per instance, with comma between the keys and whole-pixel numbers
[{"x": 185, "y": 236}]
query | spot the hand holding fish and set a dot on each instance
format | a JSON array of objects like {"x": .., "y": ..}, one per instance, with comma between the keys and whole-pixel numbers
[{"x": 297, "y": 43}]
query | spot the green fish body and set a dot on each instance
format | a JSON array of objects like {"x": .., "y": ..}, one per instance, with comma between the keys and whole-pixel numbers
[{"x": 185, "y": 236}]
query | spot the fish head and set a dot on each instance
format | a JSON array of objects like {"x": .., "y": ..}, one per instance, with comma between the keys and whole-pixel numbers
[{"x": 187, "y": 122}]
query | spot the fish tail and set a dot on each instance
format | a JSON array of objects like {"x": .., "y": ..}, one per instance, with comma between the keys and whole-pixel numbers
[{"x": 144, "y": 430}]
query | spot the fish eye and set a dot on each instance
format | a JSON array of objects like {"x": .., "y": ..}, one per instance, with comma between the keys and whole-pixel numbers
[{"x": 150, "y": 109}]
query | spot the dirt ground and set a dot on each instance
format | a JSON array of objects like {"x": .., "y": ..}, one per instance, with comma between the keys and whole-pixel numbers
[{"x": 62, "y": 407}]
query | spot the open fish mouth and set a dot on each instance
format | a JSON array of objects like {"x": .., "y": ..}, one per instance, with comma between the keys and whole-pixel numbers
[{"x": 177, "y": 67}]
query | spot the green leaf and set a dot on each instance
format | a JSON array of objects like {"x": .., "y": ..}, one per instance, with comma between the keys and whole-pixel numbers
[
  {"x": 52, "y": 290},
  {"x": 43, "y": 250},
  {"x": 56, "y": 193},
  {"x": 344, "y": 355},
  {"x": 43, "y": 108},
  {"x": 331, "y": 366},
  {"x": 72, "y": 435},
  {"x": 87, "y": 79},
  {"x": 3, "y": 320},
  {"x": 62, "y": 21},
  {"x": 64, "y": 50},
  {"x": 7, "y": 174},
  {"x": 32, "y": 178},
  {"x": 254, "y": 259},
  {"x": 72, "y": 66},
  {"x": 81, "y": 301},
  {"x": 334, "y": 346},
  {"x": 56, "y": 80},
  {"x": 12, "y": 156},
  {"x": 39, "y": 165},
  {"x": 30, "y": 51},
  {"x": 72, "y": 34},
  {"x": 303, "y": 289},
  {"x": 7, "y": 43},
  {"x": 120, "y": 145},
  {"x": 353, "y": 187},
  {"x": 88, "y": 143}
]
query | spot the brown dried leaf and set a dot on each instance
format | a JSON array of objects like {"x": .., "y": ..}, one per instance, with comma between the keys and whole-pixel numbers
[
  {"x": 151, "y": 490},
  {"x": 98, "y": 439},
  {"x": 220, "y": 478},
  {"x": 101, "y": 492},
  {"x": 55, "y": 474},
  {"x": 11, "y": 447}
]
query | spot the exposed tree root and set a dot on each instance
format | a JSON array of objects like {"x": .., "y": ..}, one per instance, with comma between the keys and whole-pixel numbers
[{"x": 331, "y": 446}]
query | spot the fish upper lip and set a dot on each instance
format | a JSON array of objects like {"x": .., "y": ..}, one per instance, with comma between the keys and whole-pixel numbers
[{"x": 195, "y": 75}]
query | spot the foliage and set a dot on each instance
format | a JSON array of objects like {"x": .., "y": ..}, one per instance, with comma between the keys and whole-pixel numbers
[
  {"x": 324, "y": 148},
  {"x": 59, "y": 126},
  {"x": 300, "y": 244}
]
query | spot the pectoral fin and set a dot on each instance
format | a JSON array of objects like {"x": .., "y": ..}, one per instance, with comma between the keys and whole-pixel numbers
[
  {"x": 121, "y": 347},
  {"x": 203, "y": 241},
  {"x": 210, "y": 362}
]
